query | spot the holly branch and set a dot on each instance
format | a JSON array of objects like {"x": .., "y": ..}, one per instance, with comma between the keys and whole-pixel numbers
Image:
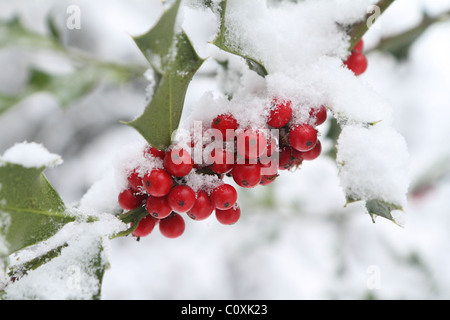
[{"x": 359, "y": 29}]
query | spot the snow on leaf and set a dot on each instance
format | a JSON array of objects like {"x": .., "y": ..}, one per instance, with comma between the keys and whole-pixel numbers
[
  {"x": 33, "y": 208},
  {"x": 223, "y": 42},
  {"x": 373, "y": 168}
]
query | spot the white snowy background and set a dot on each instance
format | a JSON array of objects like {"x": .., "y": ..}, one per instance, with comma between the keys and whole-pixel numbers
[{"x": 295, "y": 239}]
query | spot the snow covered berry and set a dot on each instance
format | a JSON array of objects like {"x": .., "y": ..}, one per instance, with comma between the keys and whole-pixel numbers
[
  {"x": 178, "y": 162},
  {"x": 172, "y": 226},
  {"x": 226, "y": 124},
  {"x": 318, "y": 116},
  {"x": 224, "y": 196},
  {"x": 181, "y": 198},
  {"x": 302, "y": 137},
  {"x": 152, "y": 152},
  {"x": 130, "y": 200},
  {"x": 230, "y": 216},
  {"x": 135, "y": 181},
  {"x": 280, "y": 113}
]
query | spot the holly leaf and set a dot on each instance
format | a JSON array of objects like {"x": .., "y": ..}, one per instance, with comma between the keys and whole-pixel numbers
[
  {"x": 30, "y": 209},
  {"x": 96, "y": 268},
  {"x": 382, "y": 209},
  {"x": 175, "y": 62},
  {"x": 378, "y": 208},
  {"x": 223, "y": 42},
  {"x": 81, "y": 280}
]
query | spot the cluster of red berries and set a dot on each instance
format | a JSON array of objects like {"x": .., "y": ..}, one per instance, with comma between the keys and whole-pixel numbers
[
  {"x": 357, "y": 61},
  {"x": 249, "y": 156},
  {"x": 165, "y": 196},
  {"x": 164, "y": 193}
]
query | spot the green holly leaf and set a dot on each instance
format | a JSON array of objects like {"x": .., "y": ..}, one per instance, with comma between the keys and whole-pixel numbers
[
  {"x": 81, "y": 280},
  {"x": 382, "y": 209},
  {"x": 96, "y": 268},
  {"x": 377, "y": 208},
  {"x": 30, "y": 209},
  {"x": 175, "y": 62},
  {"x": 223, "y": 42}
]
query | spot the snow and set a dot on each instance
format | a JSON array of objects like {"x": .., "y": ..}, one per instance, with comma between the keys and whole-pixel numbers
[
  {"x": 309, "y": 30},
  {"x": 71, "y": 275},
  {"x": 373, "y": 164},
  {"x": 4, "y": 225},
  {"x": 295, "y": 239},
  {"x": 31, "y": 155}
]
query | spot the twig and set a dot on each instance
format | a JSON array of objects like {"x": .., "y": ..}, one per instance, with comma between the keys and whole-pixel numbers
[{"x": 358, "y": 30}]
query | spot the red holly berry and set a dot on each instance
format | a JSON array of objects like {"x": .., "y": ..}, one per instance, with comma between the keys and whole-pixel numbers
[
  {"x": 158, "y": 207},
  {"x": 130, "y": 200},
  {"x": 181, "y": 198},
  {"x": 145, "y": 226},
  {"x": 135, "y": 181},
  {"x": 269, "y": 166},
  {"x": 359, "y": 47},
  {"x": 302, "y": 137},
  {"x": 224, "y": 196},
  {"x": 312, "y": 154},
  {"x": 319, "y": 116},
  {"x": 272, "y": 145},
  {"x": 221, "y": 160},
  {"x": 287, "y": 160},
  {"x": 226, "y": 124},
  {"x": 172, "y": 226},
  {"x": 280, "y": 113},
  {"x": 265, "y": 180},
  {"x": 203, "y": 207},
  {"x": 178, "y": 162},
  {"x": 246, "y": 175},
  {"x": 269, "y": 161},
  {"x": 251, "y": 144},
  {"x": 151, "y": 151},
  {"x": 357, "y": 62},
  {"x": 230, "y": 216},
  {"x": 157, "y": 182}
]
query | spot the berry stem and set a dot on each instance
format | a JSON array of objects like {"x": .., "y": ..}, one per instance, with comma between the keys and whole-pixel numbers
[{"x": 133, "y": 217}]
